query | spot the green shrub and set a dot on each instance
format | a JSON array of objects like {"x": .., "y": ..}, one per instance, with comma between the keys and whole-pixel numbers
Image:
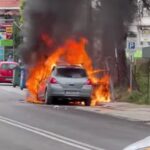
[{"x": 139, "y": 96}]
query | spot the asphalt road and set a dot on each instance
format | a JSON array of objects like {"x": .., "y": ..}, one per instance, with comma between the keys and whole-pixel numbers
[{"x": 25, "y": 126}]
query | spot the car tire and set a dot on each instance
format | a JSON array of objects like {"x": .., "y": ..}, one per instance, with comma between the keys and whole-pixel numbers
[
  {"x": 14, "y": 85},
  {"x": 48, "y": 99},
  {"x": 87, "y": 102}
]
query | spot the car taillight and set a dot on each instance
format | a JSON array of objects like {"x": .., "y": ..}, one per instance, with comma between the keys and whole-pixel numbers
[
  {"x": 89, "y": 82},
  {"x": 53, "y": 81}
]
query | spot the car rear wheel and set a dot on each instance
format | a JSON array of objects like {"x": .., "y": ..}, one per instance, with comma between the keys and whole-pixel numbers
[
  {"x": 48, "y": 99},
  {"x": 14, "y": 85},
  {"x": 87, "y": 102}
]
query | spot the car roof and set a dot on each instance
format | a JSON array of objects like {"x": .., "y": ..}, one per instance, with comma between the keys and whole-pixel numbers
[{"x": 70, "y": 66}]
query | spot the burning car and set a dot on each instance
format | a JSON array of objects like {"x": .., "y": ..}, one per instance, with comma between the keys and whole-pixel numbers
[
  {"x": 39, "y": 80},
  {"x": 68, "y": 82}
]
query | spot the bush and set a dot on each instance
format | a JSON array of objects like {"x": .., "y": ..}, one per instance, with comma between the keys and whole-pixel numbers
[{"x": 139, "y": 96}]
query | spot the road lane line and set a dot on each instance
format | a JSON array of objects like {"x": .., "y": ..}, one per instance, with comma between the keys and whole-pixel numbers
[
  {"x": 50, "y": 135},
  {"x": 139, "y": 145}
]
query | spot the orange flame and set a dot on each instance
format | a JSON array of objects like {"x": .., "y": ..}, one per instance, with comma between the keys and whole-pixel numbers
[{"x": 72, "y": 52}]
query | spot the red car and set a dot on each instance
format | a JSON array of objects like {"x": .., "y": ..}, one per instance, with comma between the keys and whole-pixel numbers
[{"x": 6, "y": 71}]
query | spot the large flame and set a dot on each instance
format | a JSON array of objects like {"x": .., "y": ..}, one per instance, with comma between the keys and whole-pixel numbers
[{"x": 73, "y": 52}]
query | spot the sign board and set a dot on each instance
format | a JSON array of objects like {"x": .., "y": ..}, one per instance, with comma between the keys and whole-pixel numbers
[
  {"x": 9, "y": 29},
  {"x": 146, "y": 52},
  {"x": 6, "y": 43},
  {"x": 2, "y": 35},
  {"x": 138, "y": 53},
  {"x": 6, "y": 34},
  {"x": 131, "y": 45},
  {"x": 1, "y": 53},
  {"x": 9, "y": 32}
]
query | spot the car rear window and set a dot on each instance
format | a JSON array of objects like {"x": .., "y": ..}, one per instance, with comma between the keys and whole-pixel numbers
[
  {"x": 71, "y": 72},
  {"x": 8, "y": 66}
]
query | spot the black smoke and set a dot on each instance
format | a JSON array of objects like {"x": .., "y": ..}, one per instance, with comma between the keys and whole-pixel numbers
[
  {"x": 118, "y": 16},
  {"x": 61, "y": 19}
]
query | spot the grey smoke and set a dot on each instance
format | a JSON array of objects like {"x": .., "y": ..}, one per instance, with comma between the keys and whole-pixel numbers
[{"x": 61, "y": 19}]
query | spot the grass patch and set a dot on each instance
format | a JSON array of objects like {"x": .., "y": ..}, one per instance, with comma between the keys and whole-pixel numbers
[
  {"x": 138, "y": 96},
  {"x": 132, "y": 97}
]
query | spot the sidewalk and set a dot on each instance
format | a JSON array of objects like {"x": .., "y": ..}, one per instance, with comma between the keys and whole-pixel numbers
[{"x": 128, "y": 111}]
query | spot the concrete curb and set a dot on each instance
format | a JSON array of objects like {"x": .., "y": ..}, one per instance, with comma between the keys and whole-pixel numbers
[{"x": 132, "y": 112}]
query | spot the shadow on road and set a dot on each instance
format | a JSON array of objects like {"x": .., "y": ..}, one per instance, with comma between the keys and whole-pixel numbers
[
  {"x": 5, "y": 84},
  {"x": 64, "y": 103}
]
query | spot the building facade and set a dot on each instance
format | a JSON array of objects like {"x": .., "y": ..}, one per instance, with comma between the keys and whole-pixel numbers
[
  {"x": 141, "y": 26},
  {"x": 9, "y": 10}
]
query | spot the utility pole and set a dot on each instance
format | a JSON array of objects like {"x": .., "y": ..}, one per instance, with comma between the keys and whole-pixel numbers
[{"x": 131, "y": 73}]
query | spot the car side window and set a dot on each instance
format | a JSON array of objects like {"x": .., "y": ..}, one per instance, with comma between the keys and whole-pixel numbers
[{"x": 8, "y": 66}]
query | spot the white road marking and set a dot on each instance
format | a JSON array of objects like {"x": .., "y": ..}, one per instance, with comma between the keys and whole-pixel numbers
[
  {"x": 140, "y": 144},
  {"x": 49, "y": 135}
]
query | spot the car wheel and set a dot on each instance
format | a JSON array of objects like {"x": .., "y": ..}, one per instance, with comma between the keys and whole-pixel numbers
[
  {"x": 14, "y": 85},
  {"x": 48, "y": 99},
  {"x": 87, "y": 102}
]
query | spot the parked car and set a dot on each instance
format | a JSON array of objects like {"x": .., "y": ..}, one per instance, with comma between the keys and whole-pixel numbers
[
  {"x": 69, "y": 82},
  {"x": 6, "y": 71}
]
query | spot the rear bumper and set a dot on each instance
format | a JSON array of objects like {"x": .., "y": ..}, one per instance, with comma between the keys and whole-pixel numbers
[
  {"x": 58, "y": 91},
  {"x": 6, "y": 79}
]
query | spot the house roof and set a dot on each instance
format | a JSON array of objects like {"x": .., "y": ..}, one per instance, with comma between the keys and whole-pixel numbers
[{"x": 9, "y": 4}]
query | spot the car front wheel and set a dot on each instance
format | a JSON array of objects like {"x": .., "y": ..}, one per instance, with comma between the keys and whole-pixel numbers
[{"x": 48, "y": 99}]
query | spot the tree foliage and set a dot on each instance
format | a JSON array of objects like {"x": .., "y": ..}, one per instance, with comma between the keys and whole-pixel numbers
[
  {"x": 22, "y": 5},
  {"x": 146, "y": 4},
  {"x": 17, "y": 29}
]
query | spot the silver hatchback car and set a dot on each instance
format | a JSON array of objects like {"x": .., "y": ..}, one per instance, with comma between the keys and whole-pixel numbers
[{"x": 69, "y": 82}]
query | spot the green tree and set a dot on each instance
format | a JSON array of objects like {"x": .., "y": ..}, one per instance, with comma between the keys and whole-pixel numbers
[
  {"x": 17, "y": 30},
  {"x": 22, "y": 5}
]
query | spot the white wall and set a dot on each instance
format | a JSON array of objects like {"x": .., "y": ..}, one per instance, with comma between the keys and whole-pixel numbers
[{"x": 142, "y": 28}]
